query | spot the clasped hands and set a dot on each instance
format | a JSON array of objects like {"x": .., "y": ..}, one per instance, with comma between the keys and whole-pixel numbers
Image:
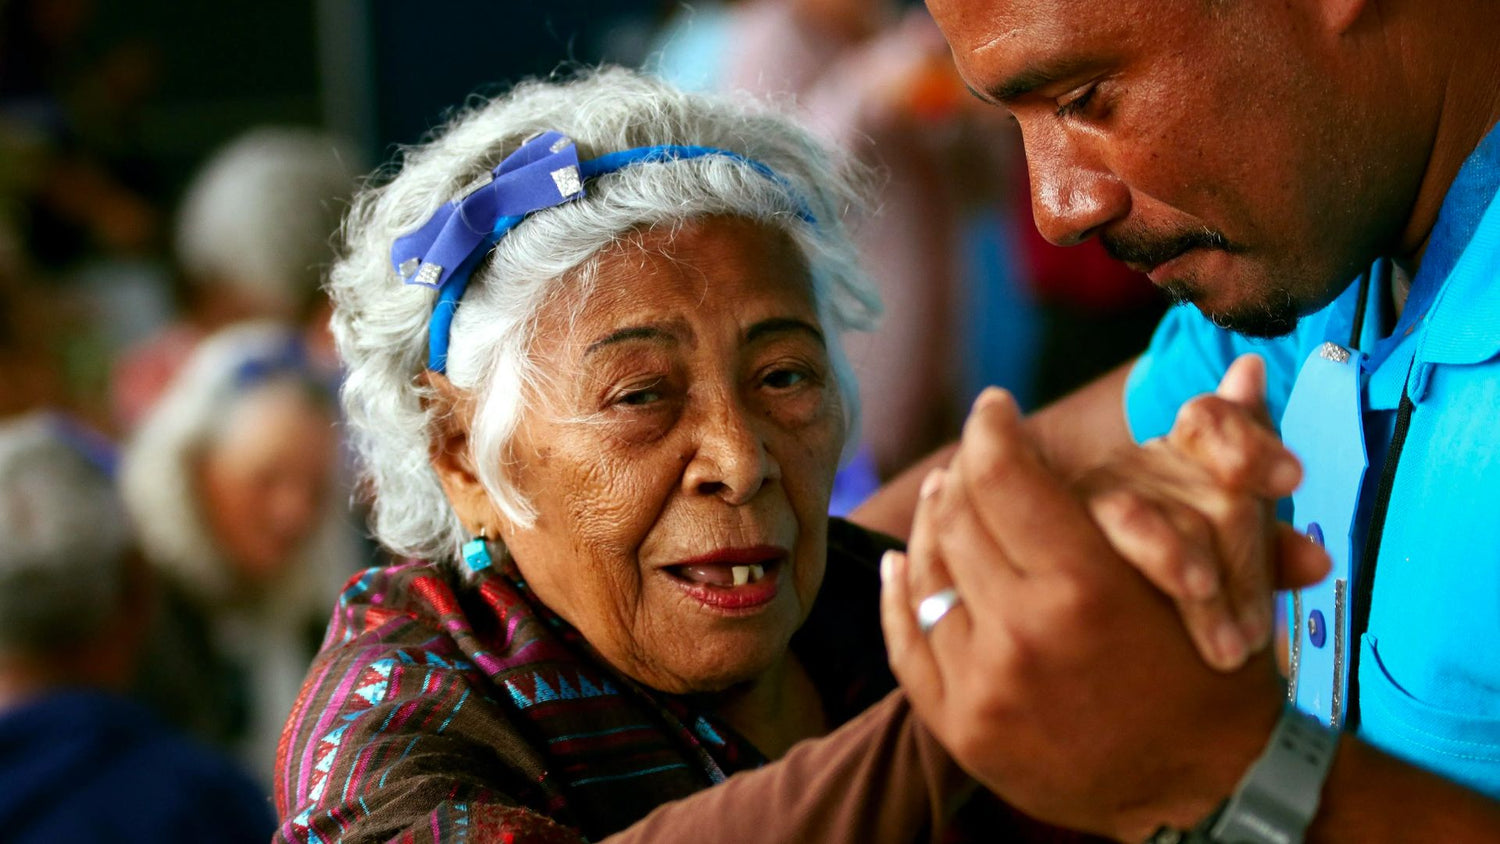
[{"x": 1107, "y": 667}]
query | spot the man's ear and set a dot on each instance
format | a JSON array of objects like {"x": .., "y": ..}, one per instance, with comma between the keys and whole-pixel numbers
[{"x": 451, "y": 458}]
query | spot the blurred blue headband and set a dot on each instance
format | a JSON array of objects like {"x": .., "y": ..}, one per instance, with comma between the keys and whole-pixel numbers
[
  {"x": 544, "y": 172},
  {"x": 286, "y": 358},
  {"x": 86, "y": 442}
]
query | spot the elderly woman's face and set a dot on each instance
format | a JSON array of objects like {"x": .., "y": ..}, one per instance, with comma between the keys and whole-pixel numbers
[
  {"x": 681, "y": 454},
  {"x": 265, "y": 478}
]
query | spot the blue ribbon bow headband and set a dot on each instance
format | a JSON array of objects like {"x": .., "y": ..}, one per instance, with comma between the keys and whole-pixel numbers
[{"x": 544, "y": 172}]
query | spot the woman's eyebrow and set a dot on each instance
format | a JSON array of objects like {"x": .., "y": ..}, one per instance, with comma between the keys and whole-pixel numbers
[
  {"x": 635, "y": 332},
  {"x": 781, "y": 325}
]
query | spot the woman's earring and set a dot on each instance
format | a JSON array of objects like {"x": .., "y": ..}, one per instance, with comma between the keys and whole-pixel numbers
[{"x": 477, "y": 554}]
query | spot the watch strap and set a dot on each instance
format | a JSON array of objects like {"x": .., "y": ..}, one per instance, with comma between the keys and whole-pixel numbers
[
  {"x": 1278, "y": 797},
  {"x": 1197, "y": 835}
]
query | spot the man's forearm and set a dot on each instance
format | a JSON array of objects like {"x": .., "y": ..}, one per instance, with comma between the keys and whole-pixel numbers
[{"x": 1373, "y": 798}]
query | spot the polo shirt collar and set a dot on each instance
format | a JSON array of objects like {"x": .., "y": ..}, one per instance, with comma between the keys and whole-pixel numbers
[{"x": 1462, "y": 265}]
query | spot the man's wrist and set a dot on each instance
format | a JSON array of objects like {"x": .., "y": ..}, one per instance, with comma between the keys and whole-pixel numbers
[
  {"x": 1278, "y": 797},
  {"x": 1201, "y": 783}
]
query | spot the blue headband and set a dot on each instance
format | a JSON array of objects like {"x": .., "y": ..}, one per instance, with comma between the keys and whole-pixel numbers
[
  {"x": 544, "y": 172},
  {"x": 92, "y": 446},
  {"x": 286, "y": 358}
]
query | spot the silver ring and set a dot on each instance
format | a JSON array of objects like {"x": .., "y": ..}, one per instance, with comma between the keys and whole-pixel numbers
[{"x": 934, "y": 607}]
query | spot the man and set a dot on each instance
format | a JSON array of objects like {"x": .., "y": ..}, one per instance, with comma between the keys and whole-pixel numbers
[{"x": 1253, "y": 158}]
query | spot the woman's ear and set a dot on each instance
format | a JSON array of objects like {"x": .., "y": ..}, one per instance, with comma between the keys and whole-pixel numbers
[{"x": 451, "y": 458}]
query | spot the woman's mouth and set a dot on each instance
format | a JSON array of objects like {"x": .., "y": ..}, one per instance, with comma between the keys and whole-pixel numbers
[
  {"x": 733, "y": 579},
  {"x": 721, "y": 575}
]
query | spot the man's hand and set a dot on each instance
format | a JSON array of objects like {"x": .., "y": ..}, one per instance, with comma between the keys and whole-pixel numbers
[
  {"x": 1064, "y": 681},
  {"x": 1194, "y": 512}
]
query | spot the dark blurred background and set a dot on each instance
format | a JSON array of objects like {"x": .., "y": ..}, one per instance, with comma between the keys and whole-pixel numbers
[
  {"x": 107, "y": 109},
  {"x": 378, "y": 71}
]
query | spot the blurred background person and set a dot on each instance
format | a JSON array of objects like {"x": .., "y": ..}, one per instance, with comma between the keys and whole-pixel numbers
[
  {"x": 233, "y": 483},
  {"x": 253, "y": 237},
  {"x": 78, "y": 761}
]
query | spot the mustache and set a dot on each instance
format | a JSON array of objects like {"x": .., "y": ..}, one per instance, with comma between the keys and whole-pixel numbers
[{"x": 1143, "y": 249}]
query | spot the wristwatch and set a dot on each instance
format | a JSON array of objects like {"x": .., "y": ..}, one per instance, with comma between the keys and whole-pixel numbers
[{"x": 1277, "y": 798}]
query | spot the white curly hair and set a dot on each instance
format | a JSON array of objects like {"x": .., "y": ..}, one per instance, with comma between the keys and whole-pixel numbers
[
  {"x": 158, "y": 480},
  {"x": 260, "y": 214},
  {"x": 380, "y": 324}
]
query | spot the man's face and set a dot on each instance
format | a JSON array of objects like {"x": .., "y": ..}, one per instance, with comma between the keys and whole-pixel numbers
[{"x": 1225, "y": 147}]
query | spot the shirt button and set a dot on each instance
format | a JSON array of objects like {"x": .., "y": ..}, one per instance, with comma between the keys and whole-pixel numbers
[
  {"x": 1315, "y": 533},
  {"x": 1317, "y": 631}
]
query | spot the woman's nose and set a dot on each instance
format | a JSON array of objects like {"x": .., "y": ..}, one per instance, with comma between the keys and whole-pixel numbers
[
  {"x": 294, "y": 507},
  {"x": 731, "y": 460},
  {"x": 1072, "y": 198}
]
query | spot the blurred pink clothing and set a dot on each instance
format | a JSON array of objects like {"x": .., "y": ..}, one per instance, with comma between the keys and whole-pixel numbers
[
  {"x": 144, "y": 371},
  {"x": 908, "y": 369}
]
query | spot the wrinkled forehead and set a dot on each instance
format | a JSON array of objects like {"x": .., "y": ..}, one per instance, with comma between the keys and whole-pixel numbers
[
  {"x": 715, "y": 272},
  {"x": 702, "y": 258},
  {"x": 1004, "y": 46}
]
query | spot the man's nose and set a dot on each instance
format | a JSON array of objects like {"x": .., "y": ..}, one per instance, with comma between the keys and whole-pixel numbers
[{"x": 1072, "y": 196}]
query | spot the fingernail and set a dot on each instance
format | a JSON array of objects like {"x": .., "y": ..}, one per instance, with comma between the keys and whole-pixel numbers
[
  {"x": 887, "y": 565},
  {"x": 1287, "y": 473},
  {"x": 1230, "y": 644},
  {"x": 932, "y": 483},
  {"x": 1202, "y": 582},
  {"x": 996, "y": 398},
  {"x": 1255, "y": 623}
]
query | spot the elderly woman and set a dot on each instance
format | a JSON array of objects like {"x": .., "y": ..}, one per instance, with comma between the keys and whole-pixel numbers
[
  {"x": 232, "y": 481},
  {"x": 593, "y": 373},
  {"x": 591, "y": 334}
]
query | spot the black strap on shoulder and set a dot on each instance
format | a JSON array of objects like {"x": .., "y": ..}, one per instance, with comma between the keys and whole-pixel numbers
[
  {"x": 1364, "y": 581},
  {"x": 1360, "y": 303}
]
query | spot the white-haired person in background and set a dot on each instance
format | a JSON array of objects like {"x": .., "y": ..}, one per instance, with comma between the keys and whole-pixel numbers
[
  {"x": 254, "y": 235},
  {"x": 593, "y": 334},
  {"x": 233, "y": 483},
  {"x": 79, "y": 762}
]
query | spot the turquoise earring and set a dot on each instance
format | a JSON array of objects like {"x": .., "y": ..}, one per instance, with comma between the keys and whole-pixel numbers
[{"x": 477, "y": 554}]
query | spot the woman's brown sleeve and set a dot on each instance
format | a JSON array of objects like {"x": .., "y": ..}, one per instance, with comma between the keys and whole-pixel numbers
[{"x": 879, "y": 778}]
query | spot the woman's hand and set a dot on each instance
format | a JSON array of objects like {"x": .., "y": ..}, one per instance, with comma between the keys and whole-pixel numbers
[{"x": 1194, "y": 512}]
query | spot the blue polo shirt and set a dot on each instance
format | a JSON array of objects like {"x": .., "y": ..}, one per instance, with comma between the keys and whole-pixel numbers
[{"x": 1428, "y": 664}]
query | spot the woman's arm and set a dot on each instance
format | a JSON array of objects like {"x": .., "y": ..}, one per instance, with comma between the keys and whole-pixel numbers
[{"x": 879, "y": 778}]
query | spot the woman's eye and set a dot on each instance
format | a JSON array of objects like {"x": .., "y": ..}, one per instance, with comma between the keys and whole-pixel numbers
[
  {"x": 782, "y": 379},
  {"x": 638, "y": 398}
]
